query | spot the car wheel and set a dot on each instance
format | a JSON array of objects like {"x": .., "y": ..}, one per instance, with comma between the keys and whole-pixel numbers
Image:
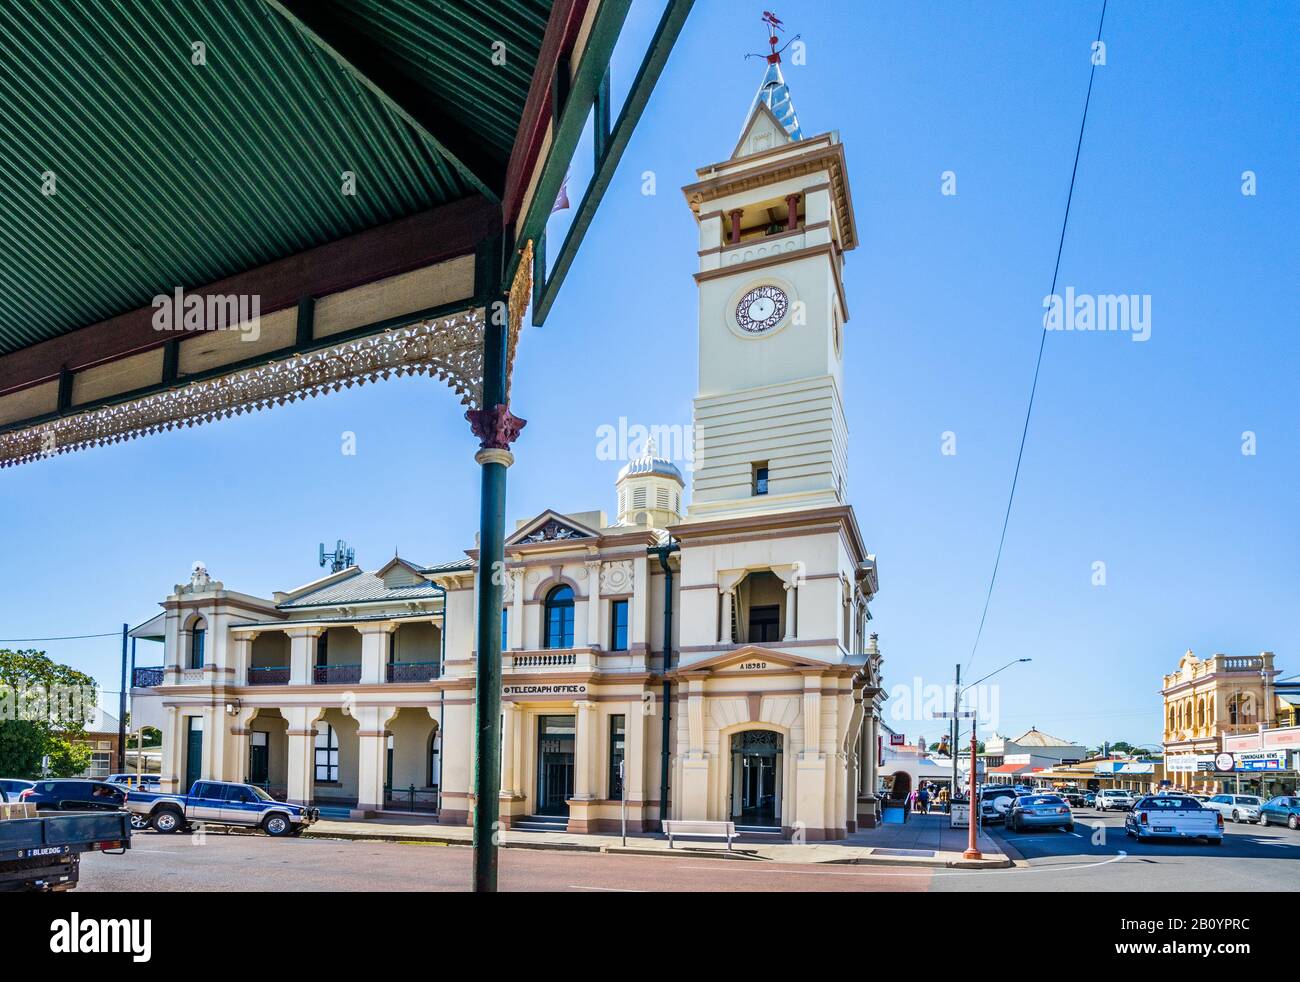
[
  {"x": 167, "y": 821},
  {"x": 139, "y": 822},
  {"x": 1236, "y": 815},
  {"x": 1293, "y": 822},
  {"x": 1214, "y": 842},
  {"x": 276, "y": 825},
  {"x": 1069, "y": 826},
  {"x": 1263, "y": 820}
]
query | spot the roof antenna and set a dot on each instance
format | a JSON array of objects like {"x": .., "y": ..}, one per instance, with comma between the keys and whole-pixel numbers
[
  {"x": 340, "y": 559},
  {"x": 774, "y": 24}
]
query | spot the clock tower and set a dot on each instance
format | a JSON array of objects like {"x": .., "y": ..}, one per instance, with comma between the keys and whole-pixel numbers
[{"x": 775, "y": 220}]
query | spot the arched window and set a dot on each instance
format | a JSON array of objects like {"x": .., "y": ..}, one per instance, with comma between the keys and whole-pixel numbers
[
  {"x": 197, "y": 634},
  {"x": 1200, "y": 713},
  {"x": 1172, "y": 720},
  {"x": 559, "y": 618},
  {"x": 327, "y": 753}
]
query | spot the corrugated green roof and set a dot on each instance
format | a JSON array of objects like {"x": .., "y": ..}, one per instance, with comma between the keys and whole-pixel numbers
[{"x": 167, "y": 173}]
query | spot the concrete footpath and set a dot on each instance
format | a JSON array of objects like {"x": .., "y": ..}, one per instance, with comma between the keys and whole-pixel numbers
[{"x": 924, "y": 840}]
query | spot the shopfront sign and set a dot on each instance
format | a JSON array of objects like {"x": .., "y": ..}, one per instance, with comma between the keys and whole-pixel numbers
[
  {"x": 1261, "y": 760},
  {"x": 576, "y": 689},
  {"x": 1189, "y": 763}
]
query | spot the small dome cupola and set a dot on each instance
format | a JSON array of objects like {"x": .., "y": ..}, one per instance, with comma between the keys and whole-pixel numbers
[{"x": 650, "y": 490}]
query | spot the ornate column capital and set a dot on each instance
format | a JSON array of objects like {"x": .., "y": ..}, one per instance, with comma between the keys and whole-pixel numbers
[{"x": 497, "y": 428}]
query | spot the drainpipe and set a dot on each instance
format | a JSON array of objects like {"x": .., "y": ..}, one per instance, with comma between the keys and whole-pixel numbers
[{"x": 663, "y": 552}]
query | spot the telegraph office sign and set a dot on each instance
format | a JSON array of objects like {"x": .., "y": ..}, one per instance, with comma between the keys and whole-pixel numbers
[{"x": 575, "y": 689}]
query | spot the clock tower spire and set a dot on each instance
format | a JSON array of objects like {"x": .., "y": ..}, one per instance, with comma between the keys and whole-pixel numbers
[{"x": 775, "y": 221}]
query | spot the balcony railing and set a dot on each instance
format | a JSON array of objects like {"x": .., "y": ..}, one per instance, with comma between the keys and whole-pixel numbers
[
  {"x": 412, "y": 671},
  {"x": 147, "y": 678},
  {"x": 276, "y": 675},
  {"x": 336, "y": 674}
]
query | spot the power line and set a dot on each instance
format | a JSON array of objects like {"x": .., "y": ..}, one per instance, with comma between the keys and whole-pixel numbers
[
  {"x": 1042, "y": 342},
  {"x": 68, "y": 637}
]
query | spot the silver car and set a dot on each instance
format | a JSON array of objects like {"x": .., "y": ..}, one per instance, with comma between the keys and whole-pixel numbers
[
  {"x": 1238, "y": 807},
  {"x": 1040, "y": 811}
]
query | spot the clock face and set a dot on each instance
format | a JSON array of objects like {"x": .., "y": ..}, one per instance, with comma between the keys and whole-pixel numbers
[{"x": 761, "y": 309}]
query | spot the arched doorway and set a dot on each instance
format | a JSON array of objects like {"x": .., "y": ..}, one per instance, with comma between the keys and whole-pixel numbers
[
  {"x": 756, "y": 778},
  {"x": 901, "y": 787}
]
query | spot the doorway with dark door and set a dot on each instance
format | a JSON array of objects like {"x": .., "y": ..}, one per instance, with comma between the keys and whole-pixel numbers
[
  {"x": 756, "y": 778},
  {"x": 259, "y": 758},
  {"x": 555, "y": 743},
  {"x": 193, "y": 752}
]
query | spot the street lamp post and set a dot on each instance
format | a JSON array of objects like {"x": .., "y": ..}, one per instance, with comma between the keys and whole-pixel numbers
[{"x": 972, "y": 847}]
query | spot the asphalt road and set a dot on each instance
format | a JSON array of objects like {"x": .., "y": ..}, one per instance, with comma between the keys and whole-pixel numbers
[{"x": 1097, "y": 857}]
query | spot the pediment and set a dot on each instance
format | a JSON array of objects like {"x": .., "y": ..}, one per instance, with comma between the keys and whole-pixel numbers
[
  {"x": 763, "y": 132},
  {"x": 551, "y": 526},
  {"x": 397, "y": 572},
  {"x": 752, "y": 658}
]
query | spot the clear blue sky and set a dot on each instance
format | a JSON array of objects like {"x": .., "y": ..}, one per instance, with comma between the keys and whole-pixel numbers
[{"x": 1134, "y": 455}]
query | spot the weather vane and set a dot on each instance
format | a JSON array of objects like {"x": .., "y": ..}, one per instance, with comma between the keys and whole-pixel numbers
[{"x": 773, "y": 24}]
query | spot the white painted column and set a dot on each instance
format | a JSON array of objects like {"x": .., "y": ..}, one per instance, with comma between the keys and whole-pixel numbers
[
  {"x": 510, "y": 714},
  {"x": 302, "y": 751},
  {"x": 638, "y": 611},
  {"x": 173, "y": 747},
  {"x": 593, "y": 603},
  {"x": 241, "y": 656},
  {"x": 372, "y": 757},
  {"x": 374, "y": 652},
  {"x": 634, "y": 749},
  {"x": 584, "y": 750},
  {"x": 516, "y": 631},
  {"x": 725, "y": 635},
  {"x": 791, "y": 593},
  {"x": 302, "y": 653},
  {"x": 812, "y": 716}
]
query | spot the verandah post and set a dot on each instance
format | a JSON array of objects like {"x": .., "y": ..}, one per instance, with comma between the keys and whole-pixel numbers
[{"x": 496, "y": 429}]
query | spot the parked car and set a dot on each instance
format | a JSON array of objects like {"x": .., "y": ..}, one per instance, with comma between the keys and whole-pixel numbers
[
  {"x": 1173, "y": 817},
  {"x": 74, "y": 794},
  {"x": 1040, "y": 811},
  {"x": 15, "y": 786},
  {"x": 995, "y": 801},
  {"x": 1090, "y": 798},
  {"x": 1282, "y": 810},
  {"x": 1238, "y": 807},
  {"x": 1073, "y": 798},
  {"x": 1114, "y": 799},
  {"x": 221, "y": 803}
]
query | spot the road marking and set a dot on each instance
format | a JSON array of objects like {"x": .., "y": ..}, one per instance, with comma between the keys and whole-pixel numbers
[{"x": 605, "y": 889}]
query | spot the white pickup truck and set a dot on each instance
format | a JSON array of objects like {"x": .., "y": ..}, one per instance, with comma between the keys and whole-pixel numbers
[{"x": 1169, "y": 816}]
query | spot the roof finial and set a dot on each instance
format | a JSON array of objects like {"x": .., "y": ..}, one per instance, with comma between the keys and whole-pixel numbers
[{"x": 773, "y": 91}]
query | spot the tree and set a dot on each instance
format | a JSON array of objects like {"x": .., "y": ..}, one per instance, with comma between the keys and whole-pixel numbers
[{"x": 43, "y": 710}]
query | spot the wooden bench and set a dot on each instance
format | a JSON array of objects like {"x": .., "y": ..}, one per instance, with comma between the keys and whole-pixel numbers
[{"x": 705, "y": 830}]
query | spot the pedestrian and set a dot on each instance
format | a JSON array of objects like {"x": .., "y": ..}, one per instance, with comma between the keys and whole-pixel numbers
[{"x": 924, "y": 798}]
